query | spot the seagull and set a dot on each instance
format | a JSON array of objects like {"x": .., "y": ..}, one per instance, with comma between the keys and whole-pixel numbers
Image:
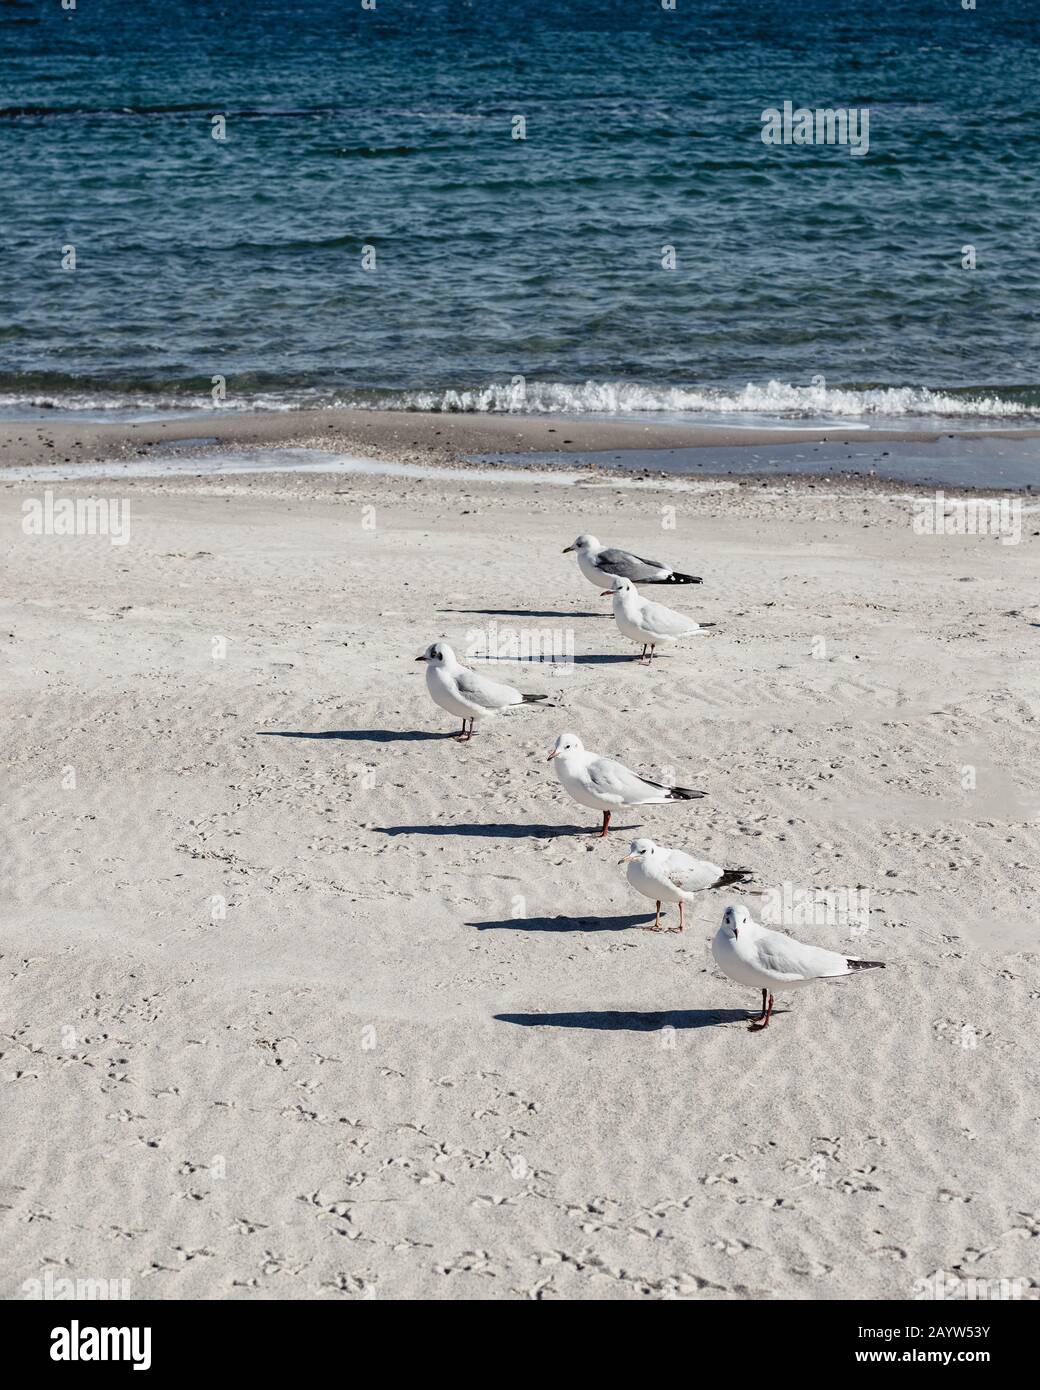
[
  {"x": 670, "y": 876},
  {"x": 605, "y": 784},
  {"x": 464, "y": 692},
  {"x": 754, "y": 955},
  {"x": 642, "y": 620},
  {"x": 599, "y": 563}
]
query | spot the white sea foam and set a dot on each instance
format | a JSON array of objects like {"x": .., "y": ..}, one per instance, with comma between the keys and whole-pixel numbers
[
  {"x": 775, "y": 398},
  {"x": 753, "y": 405}
]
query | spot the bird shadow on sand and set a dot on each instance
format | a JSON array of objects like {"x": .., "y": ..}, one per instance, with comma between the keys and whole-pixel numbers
[
  {"x": 630, "y": 1021},
  {"x": 356, "y": 735},
  {"x": 565, "y": 924},
  {"x": 497, "y": 832},
  {"x": 525, "y": 613}
]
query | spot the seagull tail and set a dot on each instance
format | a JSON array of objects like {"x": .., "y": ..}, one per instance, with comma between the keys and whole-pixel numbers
[
  {"x": 684, "y": 794},
  {"x": 675, "y": 578},
  {"x": 733, "y": 876},
  {"x": 855, "y": 963}
]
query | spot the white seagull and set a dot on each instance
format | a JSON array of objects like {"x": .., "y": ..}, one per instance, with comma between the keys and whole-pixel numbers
[
  {"x": 466, "y": 693},
  {"x": 753, "y": 955},
  {"x": 605, "y": 784},
  {"x": 599, "y": 563},
  {"x": 642, "y": 620},
  {"x": 670, "y": 876}
]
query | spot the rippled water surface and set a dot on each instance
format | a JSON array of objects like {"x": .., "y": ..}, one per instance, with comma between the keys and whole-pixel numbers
[{"x": 520, "y": 274}]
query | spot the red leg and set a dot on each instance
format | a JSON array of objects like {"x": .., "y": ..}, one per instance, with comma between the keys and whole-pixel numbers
[
  {"x": 606, "y": 824},
  {"x": 767, "y": 1013},
  {"x": 657, "y": 920}
]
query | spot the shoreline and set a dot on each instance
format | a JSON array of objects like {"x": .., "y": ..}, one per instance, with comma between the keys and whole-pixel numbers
[
  {"x": 435, "y": 434},
  {"x": 466, "y": 441}
]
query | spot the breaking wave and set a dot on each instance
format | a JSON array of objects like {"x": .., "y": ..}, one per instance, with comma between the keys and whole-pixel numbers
[
  {"x": 775, "y": 398},
  {"x": 753, "y": 404}
]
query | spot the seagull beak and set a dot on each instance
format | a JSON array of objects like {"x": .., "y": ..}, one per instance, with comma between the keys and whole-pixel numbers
[
  {"x": 567, "y": 549},
  {"x": 422, "y": 658},
  {"x": 606, "y": 593},
  {"x": 627, "y": 859},
  {"x": 551, "y": 756}
]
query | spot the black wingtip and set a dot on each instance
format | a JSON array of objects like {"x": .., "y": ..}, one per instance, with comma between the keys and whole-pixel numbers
[
  {"x": 731, "y": 876},
  {"x": 685, "y": 794},
  {"x": 675, "y": 578},
  {"x": 866, "y": 964},
  {"x": 533, "y": 699}
]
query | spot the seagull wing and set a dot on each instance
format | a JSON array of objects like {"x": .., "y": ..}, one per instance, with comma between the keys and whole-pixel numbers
[
  {"x": 629, "y": 566},
  {"x": 657, "y": 618},
  {"x": 488, "y": 694},
  {"x": 689, "y": 874},
  {"x": 788, "y": 959},
  {"x": 610, "y": 778}
]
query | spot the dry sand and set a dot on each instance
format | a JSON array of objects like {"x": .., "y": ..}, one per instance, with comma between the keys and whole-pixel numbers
[{"x": 427, "y": 1050}]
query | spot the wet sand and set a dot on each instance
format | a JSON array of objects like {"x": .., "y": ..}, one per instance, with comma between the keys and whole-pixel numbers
[{"x": 426, "y": 437}]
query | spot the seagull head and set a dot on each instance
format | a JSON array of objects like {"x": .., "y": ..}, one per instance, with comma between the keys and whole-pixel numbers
[
  {"x": 438, "y": 654},
  {"x": 639, "y": 849},
  {"x": 566, "y": 743},
  {"x": 619, "y": 586},
  {"x": 734, "y": 919},
  {"x": 582, "y": 543}
]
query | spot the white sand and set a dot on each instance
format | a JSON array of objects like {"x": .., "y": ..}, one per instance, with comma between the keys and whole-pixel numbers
[{"x": 318, "y": 1095}]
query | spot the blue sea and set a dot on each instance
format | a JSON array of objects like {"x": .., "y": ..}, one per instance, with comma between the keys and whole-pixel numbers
[{"x": 371, "y": 231}]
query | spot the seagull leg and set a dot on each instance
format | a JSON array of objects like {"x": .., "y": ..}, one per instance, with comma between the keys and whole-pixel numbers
[
  {"x": 465, "y": 736},
  {"x": 641, "y": 655},
  {"x": 767, "y": 1013},
  {"x": 680, "y": 915},
  {"x": 606, "y": 824},
  {"x": 657, "y": 920}
]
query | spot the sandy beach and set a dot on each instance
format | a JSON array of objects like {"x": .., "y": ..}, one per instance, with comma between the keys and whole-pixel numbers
[
  {"x": 304, "y": 1000},
  {"x": 428, "y": 435}
]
